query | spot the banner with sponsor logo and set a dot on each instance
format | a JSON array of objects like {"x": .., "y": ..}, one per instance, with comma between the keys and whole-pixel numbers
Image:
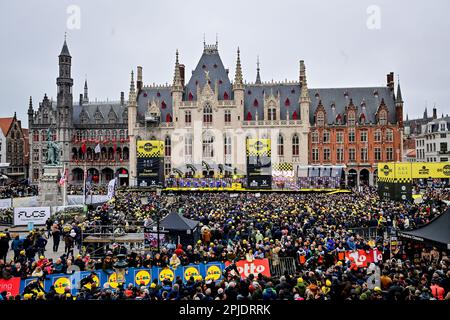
[
  {"x": 36, "y": 215},
  {"x": 150, "y": 163},
  {"x": 11, "y": 286},
  {"x": 259, "y": 165},
  {"x": 254, "y": 267},
  {"x": 362, "y": 258},
  {"x": 136, "y": 276}
]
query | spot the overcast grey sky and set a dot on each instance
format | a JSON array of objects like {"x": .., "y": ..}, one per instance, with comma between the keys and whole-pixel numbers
[{"x": 339, "y": 41}]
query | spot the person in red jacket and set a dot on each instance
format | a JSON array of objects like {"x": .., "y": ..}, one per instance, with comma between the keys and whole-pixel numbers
[{"x": 436, "y": 290}]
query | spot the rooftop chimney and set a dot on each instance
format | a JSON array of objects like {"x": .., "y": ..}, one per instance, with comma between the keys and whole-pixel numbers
[
  {"x": 81, "y": 99},
  {"x": 139, "y": 78},
  {"x": 122, "y": 98},
  {"x": 434, "y": 113},
  {"x": 390, "y": 80},
  {"x": 182, "y": 68}
]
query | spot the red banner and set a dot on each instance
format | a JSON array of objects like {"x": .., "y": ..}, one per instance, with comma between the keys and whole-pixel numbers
[
  {"x": 12, "y": 286},
  {"x": 254, "y": 267},
  {"x": 362, "y": 258}
]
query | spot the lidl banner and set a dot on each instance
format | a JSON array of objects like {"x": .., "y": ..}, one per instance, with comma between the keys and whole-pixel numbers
[
  {"x": 150, "y": 163},
  {"x": 259, "y": 165},
  {"x": 136, "y": 276}
]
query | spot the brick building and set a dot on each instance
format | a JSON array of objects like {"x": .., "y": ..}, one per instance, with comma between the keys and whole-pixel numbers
[{"x": 356, "y": 128}]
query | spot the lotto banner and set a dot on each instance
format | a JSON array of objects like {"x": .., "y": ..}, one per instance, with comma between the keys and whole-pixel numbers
[
  {"x": 259, "y": 166},
  {"x": 150, "y": 163},
  {"x": 254, "y": 267},
  {"x": 11, "y": 286},
  {"x": 362, "y": 258}
]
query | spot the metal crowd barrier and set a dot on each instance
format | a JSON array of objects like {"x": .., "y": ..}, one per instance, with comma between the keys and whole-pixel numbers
[{"x": 278, "y": 266}]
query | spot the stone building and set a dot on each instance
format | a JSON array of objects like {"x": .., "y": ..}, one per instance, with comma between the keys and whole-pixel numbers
[
  {"x": 80, "y": 127},
  {"x": 13, "y": 148}
]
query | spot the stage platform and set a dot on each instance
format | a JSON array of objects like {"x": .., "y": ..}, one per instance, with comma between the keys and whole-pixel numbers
[
  {"x": 233, "y": 190},
  {"x": 108, "y": 238}
]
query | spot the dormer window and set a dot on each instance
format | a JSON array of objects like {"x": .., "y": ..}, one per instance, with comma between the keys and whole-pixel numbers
[
  {"x": 320, "y": 119},
  {"x": 163, "y": 105},
  {"x": 225, "y": 96},
  {"x": 287, "y": 102},
  {"x": 351, "y": 118},
  {"x": 190, "y": 97},
  {"x": 255, "y": 103},
  {"x": 382, "y": 118}
]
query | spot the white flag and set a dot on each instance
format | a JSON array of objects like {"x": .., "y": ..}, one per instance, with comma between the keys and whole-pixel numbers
[
  {"x": 111, "y": 188},
  {"x": 97, "y": 148}
]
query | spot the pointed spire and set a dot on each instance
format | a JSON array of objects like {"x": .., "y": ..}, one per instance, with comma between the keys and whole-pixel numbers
[
  {"x": 65, "y": 49},
  {"x": 85, "y": 96},
  {"x": 30, "y": 105},
  {"x": 399, "y": 94},
  {"x": 132, "y": 95},
  {"x": 304, "y": 95},
  {"x": 425, "y": 113},
  {"x": 407, "y": 117},
  {"x": 238, "y": 84},
  {"x": 258, "y": 76},
  {"x": 177, "y": 85}
]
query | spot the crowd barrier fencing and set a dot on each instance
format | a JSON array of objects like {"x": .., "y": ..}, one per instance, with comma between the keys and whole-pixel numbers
[{"x": 135, "y": 276}]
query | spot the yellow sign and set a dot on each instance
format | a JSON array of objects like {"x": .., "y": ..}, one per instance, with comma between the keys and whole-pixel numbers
[
  {"x": 386, "y": 171},
  {"x": 61, "y": 284},
  {"x": 258, "y": 147},
  {"x": 405, "y": 171},
  {"x": 142, "y": 277},
  {"x": 96, "y": 280},
  {"x": 213, "y": 273},
  {"x": 236, "y": 185},
  {"x": 166, "y": 274},
  {"x": 150, "y": 149},
  {"x": 191, "y": 271},
  {"x": 434, "y": 170},
  {"x": 114, "y": 280}
]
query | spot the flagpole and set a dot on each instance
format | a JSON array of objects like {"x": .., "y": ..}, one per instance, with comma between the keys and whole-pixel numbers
[
  {"x": 84, "y": 184},
  {"x": 65, "y": 187}
]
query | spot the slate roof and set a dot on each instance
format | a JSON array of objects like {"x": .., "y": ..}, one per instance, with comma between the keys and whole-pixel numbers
[
  {"x": 209, "y": 61},
  {"x": 104, "y": 108},
  {"x": 359, "y": 96},
  {"x": 161, "y": 95}
]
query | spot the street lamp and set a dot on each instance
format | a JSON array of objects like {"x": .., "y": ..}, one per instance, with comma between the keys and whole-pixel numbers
[{"x": 157, "y": 217}]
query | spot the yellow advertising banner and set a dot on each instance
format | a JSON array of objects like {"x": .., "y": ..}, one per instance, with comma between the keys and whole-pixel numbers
[
  {"x": 258, "y": 147},
  {"x": 406, "y": 171},
  {"x": 386, "y": 172},
  {"x": 424, "y": 170},
  {"x": 150, "y": 149}
]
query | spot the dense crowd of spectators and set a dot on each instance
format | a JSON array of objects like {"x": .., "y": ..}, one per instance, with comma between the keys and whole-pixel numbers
[{"x": 251, "y": 226}]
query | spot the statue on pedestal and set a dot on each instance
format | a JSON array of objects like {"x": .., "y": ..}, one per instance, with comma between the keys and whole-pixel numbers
[{"x": 52, "y": 150}]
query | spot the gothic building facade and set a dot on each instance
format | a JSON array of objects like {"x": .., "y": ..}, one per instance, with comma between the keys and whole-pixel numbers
[
  {"x": 206, "y": 120},
  {"x": 93, "y": 136}
]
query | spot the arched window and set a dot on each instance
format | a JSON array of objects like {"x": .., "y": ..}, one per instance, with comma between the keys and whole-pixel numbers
[
  {"x": 168, "y": 117},
  {"x": 188, "y": 146},
  {"x": 295, "y": 115},
  {"x": 255, "y": 103},
  {"x": 122, "y": 134},
  {"x": 280, "y": 145},
  {"x": 36, "y": 136},
  {"x": 227, "y": 145},
  {"x": 163, "y": 105},
  {"x": 167, "y": 146},
  {"x": 272, "y": 114},
  {"x": 190, "y": 96},
  {"x": 207, "y": 114},
  {"x": 295, "y": 145},
  {"x": 114, "y": 135},
  {"x": 208, "y": 145},
  {"x": 225, "y": 96},
  {"x": 249, "y": 116}
]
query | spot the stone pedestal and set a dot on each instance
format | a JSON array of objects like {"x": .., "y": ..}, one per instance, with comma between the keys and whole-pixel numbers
[{"x": 50, "y": 192}]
